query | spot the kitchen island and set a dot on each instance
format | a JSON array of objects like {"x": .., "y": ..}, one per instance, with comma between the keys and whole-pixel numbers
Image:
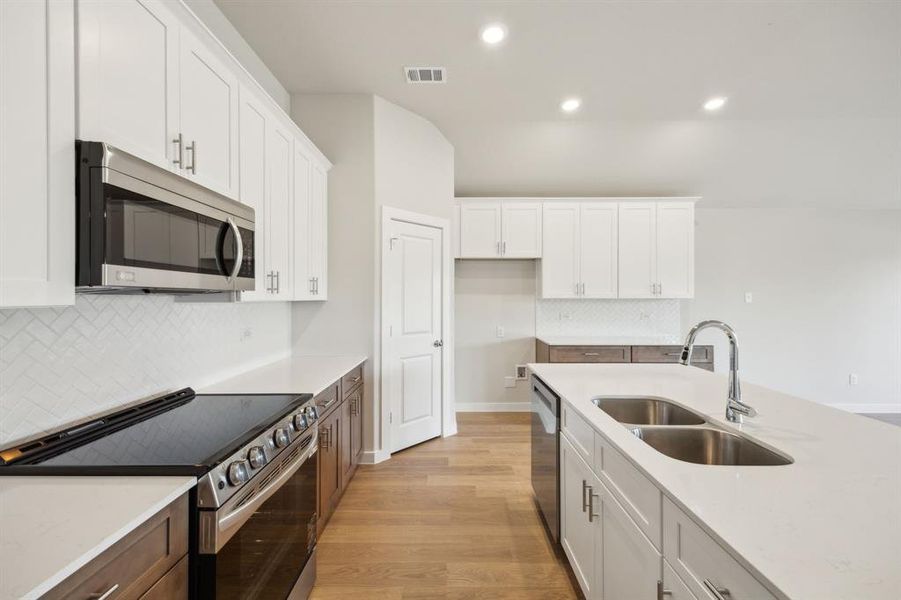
[{"x": 825, "y": 526}]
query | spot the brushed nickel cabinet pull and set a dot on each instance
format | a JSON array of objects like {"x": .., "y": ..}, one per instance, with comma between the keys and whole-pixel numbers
[
  {"x": 180, "y": 143},
  {"x": 591, "y": 496},
  {"x": 662, "y": 592},
  {"x": 104, "y": 595},
  {"x": 591, "y": 353},
  {"x": 585, "y": 488},
  {"x": 717, "y": 592}
]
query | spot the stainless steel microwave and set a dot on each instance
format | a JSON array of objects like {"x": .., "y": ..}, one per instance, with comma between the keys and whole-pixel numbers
[{"x": 143, "y": 228}]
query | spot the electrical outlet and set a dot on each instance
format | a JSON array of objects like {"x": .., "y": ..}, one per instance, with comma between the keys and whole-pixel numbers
[
  {"x": 522, "y": 372},
  {"x": 749, "y": 297},
  {"x": 500, "y": 331},
  {"x": 853, "y": 379},
  {"x": 246, "y": 333},
  {"x": 565, "y": 316},
  {"x": 509, "y": 382}
]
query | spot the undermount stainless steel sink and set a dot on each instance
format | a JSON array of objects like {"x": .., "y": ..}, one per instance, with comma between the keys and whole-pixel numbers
[
  {"x": 708, "y": 446},
  {"x": 647, "y": 411}
]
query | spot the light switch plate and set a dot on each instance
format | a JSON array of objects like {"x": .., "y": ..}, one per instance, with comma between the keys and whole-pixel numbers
[{"x": 509, "y": 382}]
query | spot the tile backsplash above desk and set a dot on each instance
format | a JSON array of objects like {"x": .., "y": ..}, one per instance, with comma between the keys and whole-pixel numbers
[
  {"x": 659, "y": 319},
  {"x": 59, "y": 365}
]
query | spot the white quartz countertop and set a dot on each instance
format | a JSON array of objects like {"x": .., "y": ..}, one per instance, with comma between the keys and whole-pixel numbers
[
  {"x": 827, "y": 526},
  {"x": 297, "y": 374},
  {"x": 52, "y": 526},
  {"x": 587, "y": 340}
]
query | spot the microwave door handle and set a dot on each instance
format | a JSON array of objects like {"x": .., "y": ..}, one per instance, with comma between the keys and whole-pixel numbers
[{"x": 239, "y": 254}]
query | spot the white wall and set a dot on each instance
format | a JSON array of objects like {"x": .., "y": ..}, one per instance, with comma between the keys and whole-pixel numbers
[
  {"x": 383, "y": 155},
  {"x": 488, "y": 294},
  {"x": 61, "y": 365},
  {"x": 826, "y": 290}
]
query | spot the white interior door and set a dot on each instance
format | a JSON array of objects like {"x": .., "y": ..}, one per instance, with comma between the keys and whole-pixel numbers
[
  {"x": 521, "y": 223},
  {"x": 560, "y": 250},
  {"x": 413, "y": 353},
  {"x": 480, "y": 229},
  {"x": 637, "y": 255},
  {"x": 598, "y": 250},
  {"x": 675, "y": 249}
]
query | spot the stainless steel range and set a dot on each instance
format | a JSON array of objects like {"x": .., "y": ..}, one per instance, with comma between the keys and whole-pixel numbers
[{"x": 253, "y": 521}]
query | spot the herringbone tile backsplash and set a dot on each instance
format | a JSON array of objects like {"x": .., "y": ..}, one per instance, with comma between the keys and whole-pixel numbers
[
  {"x": 614, "y": 318},
  {"x": 59, "y": 365}
]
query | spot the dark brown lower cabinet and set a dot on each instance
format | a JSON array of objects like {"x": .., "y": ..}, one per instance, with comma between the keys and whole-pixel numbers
[
  {"x": 149, "y": 563},
  {"x": 340, "y": 440},
  {"x": 702, "y": 356}
]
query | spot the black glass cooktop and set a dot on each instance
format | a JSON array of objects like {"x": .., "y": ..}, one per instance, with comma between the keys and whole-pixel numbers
[{"x": 189, "y": 438}]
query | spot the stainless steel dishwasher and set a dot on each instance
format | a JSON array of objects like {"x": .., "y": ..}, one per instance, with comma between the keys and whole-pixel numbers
[{"x": 546, "y": 455}]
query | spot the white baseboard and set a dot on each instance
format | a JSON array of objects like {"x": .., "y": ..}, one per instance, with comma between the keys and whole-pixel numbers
[
  {"x": 493, "y": 407},
  {"x": 372, "y": 457},
  {"x": 874, "y": 407}
]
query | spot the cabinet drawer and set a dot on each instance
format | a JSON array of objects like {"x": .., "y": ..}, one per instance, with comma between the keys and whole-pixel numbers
[
  {"x": 702, "y": 563},
  {"x": 670, "y": 354},
  {"x": 327, "y": 399},
  {"x": 638, "y": 496},
  {"x": 590, "y": 354},
  {"x": 351, "y": 380},
  {"x": 579, "y": 432},
  {"x": 173, "y": 585},
  {"x": 136, "y": 562}
]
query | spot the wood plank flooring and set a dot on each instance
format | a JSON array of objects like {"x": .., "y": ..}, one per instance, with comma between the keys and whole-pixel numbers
[{"x": 451, "y": 518}]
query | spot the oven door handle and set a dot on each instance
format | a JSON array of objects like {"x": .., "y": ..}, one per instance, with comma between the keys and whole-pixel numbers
[{"x": 229, "y": 523}]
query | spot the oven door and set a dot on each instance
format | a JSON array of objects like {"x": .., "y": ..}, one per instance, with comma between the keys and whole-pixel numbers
[{"x": 260, "y": 544}]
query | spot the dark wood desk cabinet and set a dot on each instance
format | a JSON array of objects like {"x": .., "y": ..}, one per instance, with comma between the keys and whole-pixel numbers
[
  {"x": 340, "y": 439},
  {"x": 150, "y": 563},
  {"x": 545, "y": 353}
]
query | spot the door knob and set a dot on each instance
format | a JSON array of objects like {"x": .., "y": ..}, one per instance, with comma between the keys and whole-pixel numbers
[{"x": 438, "y": 343}]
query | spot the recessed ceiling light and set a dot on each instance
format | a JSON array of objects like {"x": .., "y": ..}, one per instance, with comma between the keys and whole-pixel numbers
[
  {"x": 494, "y": 34},
  {"x": 715, "y": 103},
  {"x": 570, "y": 105}
]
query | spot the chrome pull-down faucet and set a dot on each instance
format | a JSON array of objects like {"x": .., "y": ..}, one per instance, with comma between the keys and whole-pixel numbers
[{"x": 735, "y": 408}]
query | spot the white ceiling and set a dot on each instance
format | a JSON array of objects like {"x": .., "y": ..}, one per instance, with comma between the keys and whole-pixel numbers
[{"x": 813, "y": 118}]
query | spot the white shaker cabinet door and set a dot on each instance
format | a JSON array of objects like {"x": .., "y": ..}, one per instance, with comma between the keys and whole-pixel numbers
[
  {"x": 578, "y": 534},
  {"x": 480, "y": 229},
  {"x": 279, "y": 213},
  {"x": 675, "y": 249},
  {"x": 318, "y": 232},
  {"x": 637, "y": 255},
  {"x": 521, "y": 229},
  {"x": 598, "y": 250},
  {"x": 128, "y": 77},
  {"x": 37, "y": 170},
  {"x": 560, "y": 250},
  {"x": 208, "y": 102},
  {"x": 304, "y": 283},
  {"x": 631, "y": 563},
  {"x": 253, "y": 121}
]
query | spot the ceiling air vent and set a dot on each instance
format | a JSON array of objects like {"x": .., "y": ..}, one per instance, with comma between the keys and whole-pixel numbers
[{"x": 426, "y": 74}]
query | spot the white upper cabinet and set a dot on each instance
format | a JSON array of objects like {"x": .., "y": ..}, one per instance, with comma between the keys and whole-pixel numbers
[
  {"x": 520, "y": 229},
  {"x": 37, "y": 172},
  {"x": 560, "y": 261},
  {"x": 279, "y": 212},
  {"x": 676, "y": 249},
  {"x": 656, "y": 249},
  {"x": 480, "y": 229},
  {"x": 598, "y": 244},
  {"x": 128, "y": 77},
  {"x": 318, "y": 233},
  {"x": 579, "y": 250},
  {"x": 208, "y": 93},
  {"x": 494, "y": 228},
  {"x": 310, "y": 226},
  {"x": 253, "y": 131},
  {"x": 637, "y": 256}
]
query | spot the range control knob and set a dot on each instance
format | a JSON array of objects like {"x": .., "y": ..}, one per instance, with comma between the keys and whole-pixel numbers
[
  {"x": 281, "y": 437},
  {"x": 300, "y": 422},
  {"x": 237, "y": 472},
  {"x": 256, "y": 457},
  {"x": 312, "y": 414}
]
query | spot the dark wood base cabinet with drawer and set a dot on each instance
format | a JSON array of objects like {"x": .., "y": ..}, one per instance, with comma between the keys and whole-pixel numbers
[
  {"x": 702, "y": 356},
  {"x": 150, "y": 563},
  {"x": 340, "y": 439}
]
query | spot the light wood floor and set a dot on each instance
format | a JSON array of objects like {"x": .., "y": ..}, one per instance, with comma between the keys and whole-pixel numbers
[{"x": 451, "y": 518}]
